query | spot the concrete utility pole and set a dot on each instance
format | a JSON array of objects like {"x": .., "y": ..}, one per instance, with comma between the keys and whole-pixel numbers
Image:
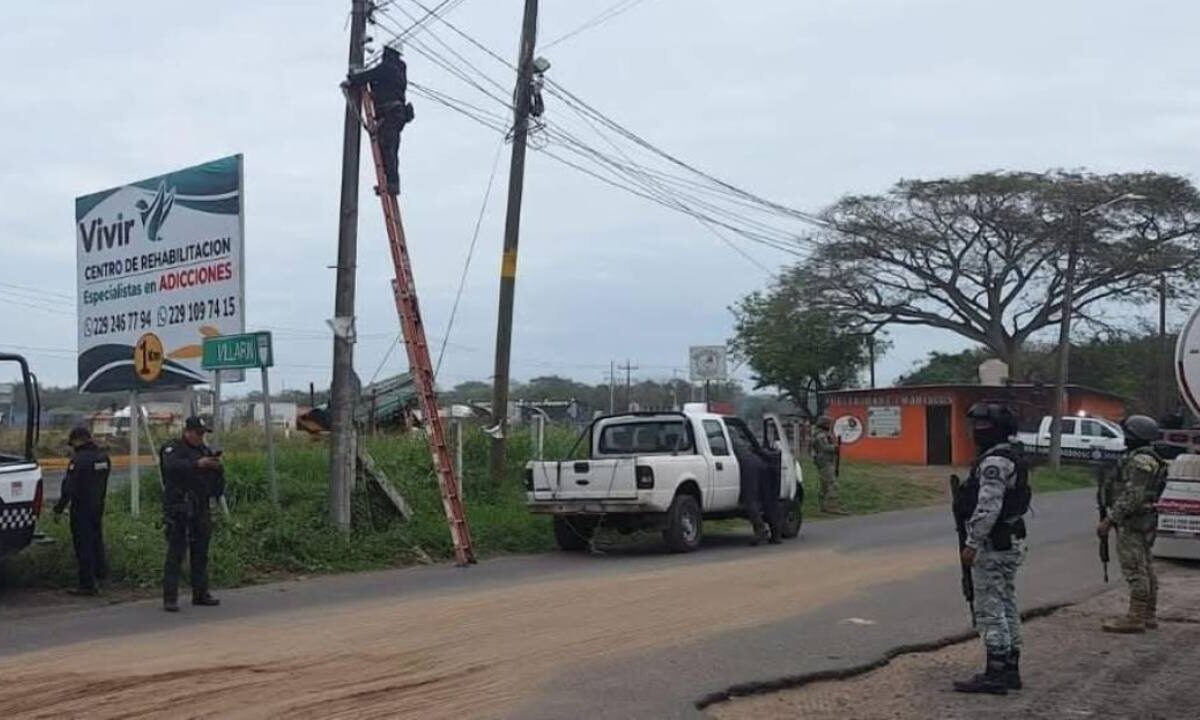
[
  {"x": 512, "y": 229},
  {"x": 612, "y": 387},
  {"x": 1163, "y": 353},
  {"x": 341, "y": 393},
  {"x": 1064, "y": 331}
]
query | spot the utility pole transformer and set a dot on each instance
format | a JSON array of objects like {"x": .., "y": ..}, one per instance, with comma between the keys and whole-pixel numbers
[
  {"x": 342, "y": 388},
  {"x": 512, "y": 229}
]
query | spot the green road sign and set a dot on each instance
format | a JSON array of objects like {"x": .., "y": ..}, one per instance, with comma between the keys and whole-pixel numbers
[{"x": 234, "y": 352}]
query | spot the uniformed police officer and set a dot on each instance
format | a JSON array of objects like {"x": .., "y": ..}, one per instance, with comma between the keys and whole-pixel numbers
[
  {"x": 84, "y": 488},
  {"x": 389, "y": 85},
  {"x": 825, "y": 454},
  {"x": 192, "y": 473},
  {"x": 1130, "y": 496},
  {"x": 992, "y": 505}
]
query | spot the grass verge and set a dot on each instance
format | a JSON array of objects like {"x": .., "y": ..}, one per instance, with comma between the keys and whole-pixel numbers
[{"x": 258, "y": 543}]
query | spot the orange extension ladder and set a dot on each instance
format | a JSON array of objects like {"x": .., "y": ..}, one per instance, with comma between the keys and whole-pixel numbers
[{"x": 405, "y": 291}]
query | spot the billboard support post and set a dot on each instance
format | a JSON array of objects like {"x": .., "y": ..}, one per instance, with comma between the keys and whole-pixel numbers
[{"x": 135, "y": 458}]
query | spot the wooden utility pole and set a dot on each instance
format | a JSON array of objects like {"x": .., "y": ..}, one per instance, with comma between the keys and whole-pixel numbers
[
  {"x": 512, "y": 229},
  {"x": 342, "y": 389},
  {"x": 628, "y": 368}
]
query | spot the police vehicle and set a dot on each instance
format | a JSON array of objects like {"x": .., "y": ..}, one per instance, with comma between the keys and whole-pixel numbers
[{"x": 20, "y": 476}]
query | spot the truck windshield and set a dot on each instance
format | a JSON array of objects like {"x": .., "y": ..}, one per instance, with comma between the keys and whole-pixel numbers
[{"x": 646, "y": 436}]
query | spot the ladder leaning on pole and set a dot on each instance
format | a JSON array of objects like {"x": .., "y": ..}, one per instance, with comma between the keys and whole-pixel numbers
[{"x": 405, "y": 291}]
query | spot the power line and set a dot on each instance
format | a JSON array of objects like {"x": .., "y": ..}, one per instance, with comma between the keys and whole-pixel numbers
[
  {"x": 38, "y": 291},
  {"x": 703, "y": 196},
  {"x": 600, "y": 18},
  {"x": 462, "y": 282}
]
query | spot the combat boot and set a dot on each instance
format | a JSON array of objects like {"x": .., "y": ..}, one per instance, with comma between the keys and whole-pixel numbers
[
  {"x": 993, "y": 680},
  {"x": 1132, "y": 623},
  {"x": 1150, "y": 617},
  {"x": 1012, "y": 670},
  {"x": 204, "y": 599}
]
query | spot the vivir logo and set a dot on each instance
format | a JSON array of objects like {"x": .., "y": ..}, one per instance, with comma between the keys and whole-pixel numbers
[
  {"x": 155, "y": 213},
  {"x": 101, "y": 235}
]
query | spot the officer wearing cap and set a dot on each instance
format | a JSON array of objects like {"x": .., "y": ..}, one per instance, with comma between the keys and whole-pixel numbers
[
  {"x": 84, "y": 488},
  {"x": 192, "y": 473}
]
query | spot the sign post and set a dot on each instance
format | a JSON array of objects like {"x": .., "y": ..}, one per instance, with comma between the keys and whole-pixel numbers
[
  {"x": 239, "y": 352},
  {"x": 135, "y": 458}
]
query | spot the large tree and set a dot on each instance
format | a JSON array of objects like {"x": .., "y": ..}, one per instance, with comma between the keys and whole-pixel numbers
[
  {"x": 986, "y": 256},
  {"x": 796, "y": 346}
]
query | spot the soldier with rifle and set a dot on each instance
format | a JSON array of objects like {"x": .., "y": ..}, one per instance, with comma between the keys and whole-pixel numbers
[
  {"x": 989, "y": 513},
  {"x": 827, "y": 456},
  {"x": 1128, "y": 504}
]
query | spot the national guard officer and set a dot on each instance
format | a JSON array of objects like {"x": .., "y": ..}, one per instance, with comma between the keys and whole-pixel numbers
[
  {"x": 992, "y": 505},
  {"x": 825, "y": 455},
  {"x": 84, "y": 488},
  {"x": 192, "y": 473},
  {"x": 1130, "y": 496}
]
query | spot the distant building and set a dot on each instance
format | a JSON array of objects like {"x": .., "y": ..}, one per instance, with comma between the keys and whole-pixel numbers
[
  {"x": 926, "y": 424},
  {"x": 244, "y": 412}
]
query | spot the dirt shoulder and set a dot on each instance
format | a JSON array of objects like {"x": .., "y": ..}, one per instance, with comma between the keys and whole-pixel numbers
[{"x": 1071, "y": 669}]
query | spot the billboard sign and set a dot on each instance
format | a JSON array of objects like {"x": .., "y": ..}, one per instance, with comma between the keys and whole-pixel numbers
[
  {"x": 707, "y": 363},
  {"x": 159, "y": 267}
]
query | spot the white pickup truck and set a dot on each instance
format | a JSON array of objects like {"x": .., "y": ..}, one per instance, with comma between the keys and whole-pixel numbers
[
  {"x": 664, "y": 470},
  {"x": 20, "y": 476},
  {"x": 1089, "y": 439}
]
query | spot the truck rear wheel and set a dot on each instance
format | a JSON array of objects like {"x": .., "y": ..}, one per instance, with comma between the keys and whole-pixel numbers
[
  {"x": 684, "y": 524},
  {"x": 574, "y": 534},
  {"x": 793, "y": 516}
]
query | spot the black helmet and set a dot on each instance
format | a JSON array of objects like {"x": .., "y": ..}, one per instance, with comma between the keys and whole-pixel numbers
[
  {"x": 991, "y": 423},
  {"x": 79, "y": 433},
  {"x": 1140, "y": 430}
]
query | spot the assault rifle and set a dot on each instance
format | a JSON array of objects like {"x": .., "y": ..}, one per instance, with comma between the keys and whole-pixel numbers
[
  {"x": 960, "y": 526},
  {"x": 1102, "y": 507}
]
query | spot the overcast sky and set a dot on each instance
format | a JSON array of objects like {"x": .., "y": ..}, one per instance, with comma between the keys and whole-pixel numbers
[{"x": 801, "y": 102}]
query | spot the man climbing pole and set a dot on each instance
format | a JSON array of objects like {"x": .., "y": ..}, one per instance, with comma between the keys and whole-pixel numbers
[{"x": 388, "y": 82}]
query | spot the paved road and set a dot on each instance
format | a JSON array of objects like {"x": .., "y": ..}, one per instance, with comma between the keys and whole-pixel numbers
[{"x": 633, "y": 633}]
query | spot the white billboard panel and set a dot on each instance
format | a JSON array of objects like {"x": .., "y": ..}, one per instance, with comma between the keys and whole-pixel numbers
[
  {"x": 159, "y": 267},
  {"x": 707, "y": 363}
]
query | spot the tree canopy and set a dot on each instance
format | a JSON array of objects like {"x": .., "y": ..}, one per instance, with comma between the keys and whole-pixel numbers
[
  {"x": 985, "y": 256},
  {"x": 797, "y": 346}
]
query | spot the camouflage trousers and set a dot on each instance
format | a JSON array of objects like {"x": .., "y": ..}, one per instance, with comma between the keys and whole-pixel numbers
[
  {"x": 996, "y": 613},
  {"x": 1137, "y": 565},
  {"x": 827, "y": 493}
]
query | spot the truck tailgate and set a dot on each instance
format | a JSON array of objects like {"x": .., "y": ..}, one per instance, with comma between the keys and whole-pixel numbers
[{"x": 611, "y": 479}]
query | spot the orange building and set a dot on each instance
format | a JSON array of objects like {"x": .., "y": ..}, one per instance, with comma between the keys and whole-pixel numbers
[{"x": 926, "y": 424}]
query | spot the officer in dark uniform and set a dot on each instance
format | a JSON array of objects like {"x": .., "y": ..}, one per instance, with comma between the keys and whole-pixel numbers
[
  {"x": 192, "y": 473},
  {"x": 389, "y": 86},
  {"x": 84, "y": 488}
]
